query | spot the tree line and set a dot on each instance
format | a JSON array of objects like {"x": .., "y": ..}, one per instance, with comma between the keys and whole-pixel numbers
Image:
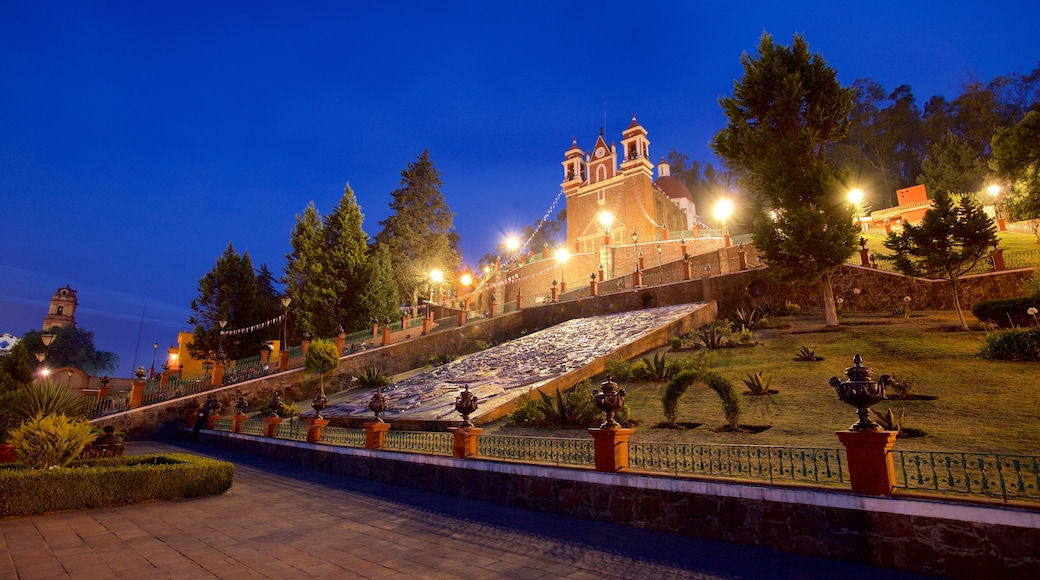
[{"x": 335, "y": 277}]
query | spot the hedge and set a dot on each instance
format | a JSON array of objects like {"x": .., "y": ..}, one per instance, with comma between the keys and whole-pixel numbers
[{"x": 93, "y": 483}]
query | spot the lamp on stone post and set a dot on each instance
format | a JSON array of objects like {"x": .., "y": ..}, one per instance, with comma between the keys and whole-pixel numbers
[
  {"x": 562, "y": 255},
  {"x": 682, "y": 244},
  {"x": 220, "y": 339},
  {"x": 46, "y": 338},
  {"x": 283, "y": 350},
  {"x": 867, "y": 445},
  {"x": 635, "y": 242}
]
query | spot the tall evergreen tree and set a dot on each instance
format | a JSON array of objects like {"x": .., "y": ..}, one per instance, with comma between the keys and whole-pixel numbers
[
  {"x": 345, "y": 249},
  {"x": 785, "y": 115},
  {"x": 231, "y": 292},
  {"x": 419, "y": 232},
  {"x": 952, "y": 165},
  {"x": 948, "y": 243},
  {"x": 306, "y": 281},
  {"x": 1016, "y": 161},
  {"x": 378, "y": 296}
]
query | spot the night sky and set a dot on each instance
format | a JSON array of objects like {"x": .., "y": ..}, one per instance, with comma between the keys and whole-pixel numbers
[{"x": 138, "y": 138}]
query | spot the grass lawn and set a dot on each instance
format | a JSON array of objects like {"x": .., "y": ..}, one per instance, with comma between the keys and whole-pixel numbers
[{"x": 982, "y": 405}]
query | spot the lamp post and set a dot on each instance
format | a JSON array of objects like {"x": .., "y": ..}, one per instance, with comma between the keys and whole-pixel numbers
[
  {"x": 220, "y": 339},
  {"x": 722, "y": 211},
  {"x": 46, "y": 338},
  {"x": 660, "y": 265},
  {"x": 606, "y": 219},
  {"x": 994, "y": 190},
  {"x": 436, "y": 276},
  {"x": 155, "y": 349},
  {"x": 285, "y": 321},
  {"x": 856, "y": 199},
  {"x": 562, "y": 255},
  {"x": 635, "y": 242}
]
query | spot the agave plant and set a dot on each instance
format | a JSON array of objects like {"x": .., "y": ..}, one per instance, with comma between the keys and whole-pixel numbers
[
  {"x": 758, "y": 384},
  {"x": 49, "y": 440},
  {"x": 889, "y": 421},
  {"x": 372, "y": 377},
  {"x": 45, "y": 398},
  {"x": 714, "y": 335},
  {"x": 807, "y": 353},
  {"x": 745, "y": 318},
  {"x": 556, "y": 409},
  {"x": 658, "y": 369}
]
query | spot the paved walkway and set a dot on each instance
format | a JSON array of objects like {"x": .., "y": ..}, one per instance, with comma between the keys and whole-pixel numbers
[{"x": 282, "y": 521}]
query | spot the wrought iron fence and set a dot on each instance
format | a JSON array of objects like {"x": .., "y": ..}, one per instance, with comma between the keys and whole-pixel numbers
[
  {"x": 775, "y": 463},
  {"x": 538, "y": 449},
  {"x": 251, "y": 427},
  {"x": 1006, "y": 476},
  {"x": 422, "y": 441},
  {"x": 295, "y": 430},
  {"x": 1022, "y": 259},
  {"x": 341, "y": 436}
]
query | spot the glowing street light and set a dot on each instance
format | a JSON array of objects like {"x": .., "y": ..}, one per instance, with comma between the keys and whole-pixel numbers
[
  {"x": 856, "y": 197},
  {"x": 562, "y": 255},
  {"x": 723, "y": 209},
  {"x": 285, "y": 322}
]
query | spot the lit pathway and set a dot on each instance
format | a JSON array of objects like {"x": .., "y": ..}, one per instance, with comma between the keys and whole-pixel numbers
[{"x": 281, "y": 521}]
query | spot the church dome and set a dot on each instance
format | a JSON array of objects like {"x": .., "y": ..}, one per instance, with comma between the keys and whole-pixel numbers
[{"x": 672, "y": 187}]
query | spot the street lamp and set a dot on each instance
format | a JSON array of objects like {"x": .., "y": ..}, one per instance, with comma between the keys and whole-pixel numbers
[
  {"x": 660, "y": 265},
  {"x": 606, "y": 219},
  {"x": 155, "y": 348},
  {"x": 46, "y": 338},
  {"x": 285, "y": 322},
  {"x": 436, "y": 276},
  {"x": 220, "y": 339},
  {"x": 635, "y": 242},
  {"x": 723, "y": 209},
  {"x": 562, "y": 255}
]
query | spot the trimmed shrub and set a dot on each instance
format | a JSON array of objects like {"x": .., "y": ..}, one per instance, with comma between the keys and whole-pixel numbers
[
  {"x": 92, "y": 483},
  {"x": 1006, "y": 312}
]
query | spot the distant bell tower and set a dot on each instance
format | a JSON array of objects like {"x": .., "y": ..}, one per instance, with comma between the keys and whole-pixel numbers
[{"x": 62, "y": 311}]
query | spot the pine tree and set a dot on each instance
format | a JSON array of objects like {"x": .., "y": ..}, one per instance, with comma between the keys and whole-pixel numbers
[
  {"x": 378, "y": 297},
  {"x": 306, "y": 280},
  {"x": 345, "y": 251},
  {"x": 419, "y": 232},
  {"x": 785, "y": 115},
  {"x": 231, "y": 292},
  {"x": 948, "y": 243}
]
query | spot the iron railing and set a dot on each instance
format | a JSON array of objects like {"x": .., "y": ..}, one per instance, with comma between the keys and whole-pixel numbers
[
  {"x": 1011, "y": 477},
  {"x": 990, "y": 474},
  {"x": 538, "y": 449},
  {"x": 775, "y": 463}
]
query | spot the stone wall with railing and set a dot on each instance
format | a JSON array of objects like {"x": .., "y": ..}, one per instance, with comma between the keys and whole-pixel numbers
[{"x": 917, "y": 535}]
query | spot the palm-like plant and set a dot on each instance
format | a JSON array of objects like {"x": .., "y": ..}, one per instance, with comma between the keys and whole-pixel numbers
[{"x": 45, "y": 398}]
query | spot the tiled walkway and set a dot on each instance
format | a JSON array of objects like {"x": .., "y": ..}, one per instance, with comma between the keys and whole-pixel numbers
[{"x": 282, "y": 521}]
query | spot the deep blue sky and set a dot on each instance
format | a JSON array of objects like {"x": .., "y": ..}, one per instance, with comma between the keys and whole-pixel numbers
[{"x": 138, "y": 138}]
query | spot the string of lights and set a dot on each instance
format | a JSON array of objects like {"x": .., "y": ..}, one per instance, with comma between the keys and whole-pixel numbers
[{"x": 524, "y": 247}]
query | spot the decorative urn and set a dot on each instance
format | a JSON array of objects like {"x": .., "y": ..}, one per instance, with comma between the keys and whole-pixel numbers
[
  {"x": 319, "y": 403},
  {"x": 861, "y": 393},
  {"x": 610, "y": 399},
  {"x": 377, "y": 404},
  {"x": 241, "y": 404},
  {"x": 466, "y": 404}
]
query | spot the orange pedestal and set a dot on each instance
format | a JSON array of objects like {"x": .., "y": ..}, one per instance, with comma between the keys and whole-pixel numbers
[
  {"x": 687, "y": 272},
  {"x": 554, "y": 294},
  {"x": 237, "y": 421},
  {"x": 465, "y": 442},
  {"x": 427, "y": 325},
  {"x": 136, "y": 394},
  {"x": 375, "y": 435},
  {"x": 638, "y": 279},
  {"x": 864, "y": 257},
  {"x": 462, "y": 318},
  {"x": 315, "y": 429},
  {"x": 271, "y": 426},
  {"x": 386, "y": 335},
  {"x": 283, "y": 360},
  {"x": 519, "y": 302},
  {"x": 593, "y": 289},
  {"x": 611, "y": 448},
  {"x": 870, "y": 463},
  {"x": 217, "y": 379},
  {"x": 211, "y": 421}
]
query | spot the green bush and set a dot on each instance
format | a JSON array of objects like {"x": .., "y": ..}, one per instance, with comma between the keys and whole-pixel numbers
[
  {"x": 574, "y": 408},
  {"x": 1031, "y": 285},
  {"x": 47, "y": 441},
  {"x": 372, "y": 377},
  {"x": 93, "y": 483},
  {"x": 1006, "y": 312},
  {"x": 714, "y": 381},
  {"x": 1012, "y": 344},
  {"x": 621, "y": 369},
  {"x": 45, "y": 398},
  {"x": 715, "y": 335}
]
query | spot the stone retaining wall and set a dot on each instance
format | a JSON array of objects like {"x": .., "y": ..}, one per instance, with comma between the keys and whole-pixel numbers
[{"x": 929, "y": 537}]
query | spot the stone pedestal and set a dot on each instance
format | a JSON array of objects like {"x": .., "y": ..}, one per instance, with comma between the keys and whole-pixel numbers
[
  {"x": 1001, "y": 225},
  {"x": 283, "y": 360},
  {"x": 593, "y": 288},
  {"x": 611, "y": 447},
  {"x": 271, "y": 426},
  {"x": 375, "y": 435},
  {"x": 998, "y": 259},
  {"x": 563, "y": 287},
  {"x": 554, "y": 294},
  {"x": 465, "y": 441},
  {"x": 687, "y": 270},
  {"x": 315, "y": 428},
  {"x": 864, "y": 257},
  {"x": 340, "y": 341},
  {"x": 742, "y": 259},
  {"x": 386, "y": 335},
  {"x": 211, "y": 421},
  {"x": 237, "y": 421},
  {"x": 136, "y": 394},
  {"x": 462, "y": 318},
  {"x": 427, "y": 325},
  {"x": 519, "y": 301},
  {"x": 638, "y": 283},
  {"x": 217, "y": 380},
  {"x": 870, "y": 461}
]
